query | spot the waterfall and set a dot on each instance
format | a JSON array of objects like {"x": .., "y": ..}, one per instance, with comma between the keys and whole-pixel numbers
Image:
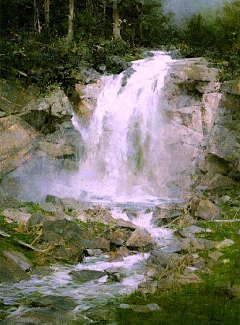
[{"x": 125, "y": 136}]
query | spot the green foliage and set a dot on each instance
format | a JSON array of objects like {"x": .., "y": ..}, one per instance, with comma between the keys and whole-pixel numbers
[{"x": 216, "y": 37}]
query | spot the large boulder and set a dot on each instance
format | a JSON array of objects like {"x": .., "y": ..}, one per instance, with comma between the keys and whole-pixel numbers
[
  {"x": 11, "y": 271},
  {"x": 140, "y": 240},
  {"x": 17, "y": 139},
  {"x": 65, "y": 239},
  {"x": 207, "y": 210}
]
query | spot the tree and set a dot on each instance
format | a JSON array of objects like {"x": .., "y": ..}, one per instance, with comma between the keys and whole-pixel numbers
[
  {"x": 47, "y": 13},
  {"x": 116, "y": 21},
  {"x": 70, "y": 21},
  {"x": 36, "y": 21}
]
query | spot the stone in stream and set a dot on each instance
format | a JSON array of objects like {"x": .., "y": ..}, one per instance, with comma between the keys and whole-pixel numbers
[
  {"x": 115, "y": 274},
  {"x": 125, "y": 224},
  {"x": 123, "y": 252},
  {"x": 141, "y": 240},
  {"x": 165, "y": 214},
  {"x": 83, "y": 276},
  {"x": 120, "y": 236},
  {"x": 58, "y": 302},
  {"x": 148, "y": 287},
  {"x": 94, "y": 252},
  {"x": 43, "y": 315},
  {"x": 215, "y": 255}
]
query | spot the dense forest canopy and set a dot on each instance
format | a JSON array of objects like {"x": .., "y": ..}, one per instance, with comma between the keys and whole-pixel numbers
[{"x": 45, "y": 41}]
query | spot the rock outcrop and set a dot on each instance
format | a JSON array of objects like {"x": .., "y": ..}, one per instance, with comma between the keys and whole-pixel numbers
[
  {"x": 38, "y": 141},
  {"x": 201, "y": 121}
]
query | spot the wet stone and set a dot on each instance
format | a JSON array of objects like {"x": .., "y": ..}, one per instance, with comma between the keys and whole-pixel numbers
[
  {"x": 94, "y": 252},
  {"x": 83, "y": 276},
  {"x": 40, "y": 316},
  {"x": 115, "y": 274},
  {"x": 141, "y": 240},
  {"x": 58, "y": 302}
]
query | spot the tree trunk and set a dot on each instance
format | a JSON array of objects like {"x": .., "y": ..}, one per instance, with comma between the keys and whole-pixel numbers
[
  {"x": 70, "y": 21},
  {"x": 116, "y": 22},
  {"x": 36, "y": 21},
  {"x": 47, "y": 13},
  {"x": 35, "y": 14}
]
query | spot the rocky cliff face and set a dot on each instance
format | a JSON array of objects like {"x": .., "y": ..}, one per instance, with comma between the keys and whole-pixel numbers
[
  {"x": 37, "y": 141},
  {"x": 202, "y": 124}
]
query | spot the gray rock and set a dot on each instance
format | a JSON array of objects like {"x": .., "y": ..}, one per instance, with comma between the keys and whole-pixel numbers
[
  {"x": 225, "y": 243},
  {"x": 207, "y": 210},
  {"x": 86, "y": 275},
  {"x": 10, "y": 271},
  {"x": 42, "y": 315},
  {"x": 115, "y": 274},
  {"x": 125, "y": 224},
  {"x": 101, "y": 243},
  {"x": 196, "y": 244},
  {"x": 17, "y": 139},
  {"x": 94, "y": 252},
  {"x": 234, "y": 291},
  {"x": 215, "y": 255},
  {"x": 140, "y": 240},
  {"x": 48, "y": 207},
  {"x": 120, "y": 236},
  {"x": 123, "y": 252},
  {"x": 15, "y": 215},
  {"x": 66, "y": 239},
  {"x": 148, "y": 287},
  {"x": 190, "y": 231},
  {"x": 141, "y": 308},
  {"x": 19, "y": 258},
  {"x": 58, "y": 302}
]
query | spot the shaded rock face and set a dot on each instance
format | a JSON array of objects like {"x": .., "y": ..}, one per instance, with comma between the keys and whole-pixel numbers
[
  {"x": 17, "y": 140},
  {"x": 219, "y": 162},
  {"x": 38, "y": 143}
]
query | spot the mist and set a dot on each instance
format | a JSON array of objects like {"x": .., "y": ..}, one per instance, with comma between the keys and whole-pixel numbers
[{"x": 183, "y": 9}]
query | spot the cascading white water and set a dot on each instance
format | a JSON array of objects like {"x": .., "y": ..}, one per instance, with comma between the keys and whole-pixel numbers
[{"x": 124, "y": 138}]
